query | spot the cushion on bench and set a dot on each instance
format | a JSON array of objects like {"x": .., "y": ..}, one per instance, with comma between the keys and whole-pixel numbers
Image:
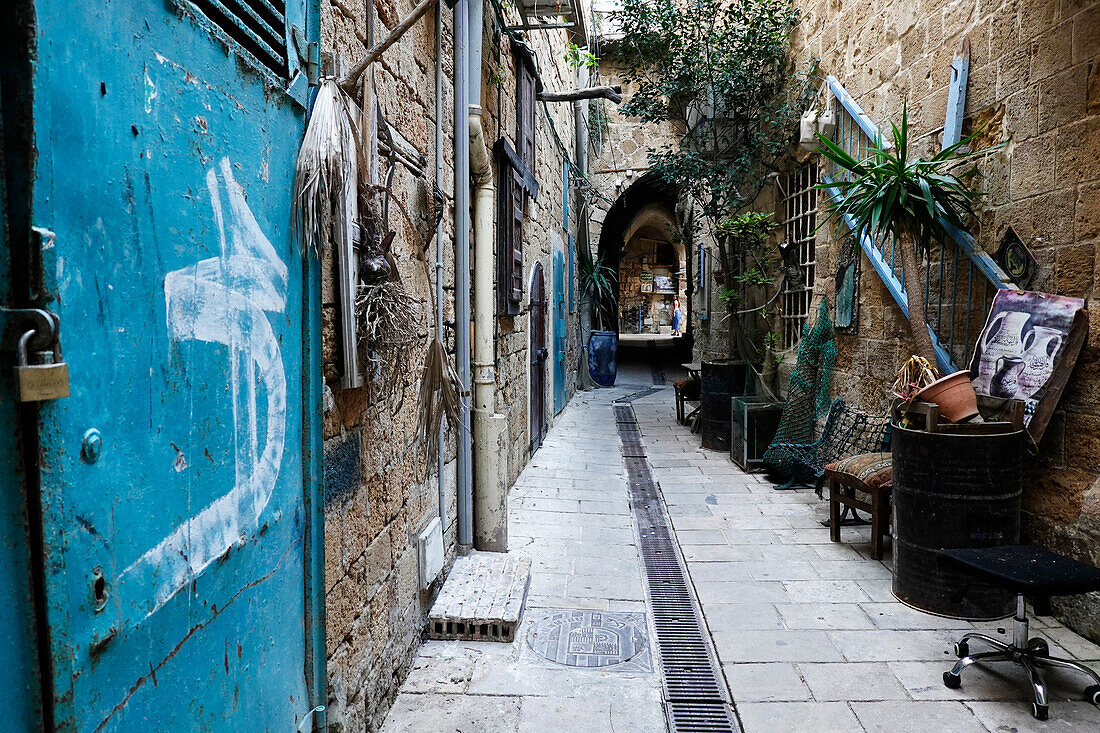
[{"x": 867, "y": 472}]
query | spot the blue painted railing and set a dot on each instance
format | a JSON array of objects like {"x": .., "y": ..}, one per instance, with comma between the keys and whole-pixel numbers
[{"x": 959, "y": 278}]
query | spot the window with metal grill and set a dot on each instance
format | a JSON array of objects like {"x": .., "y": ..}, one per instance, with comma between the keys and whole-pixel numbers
[
  {"x": 258, "y": 27},
  {"x": 799, "y": 209}
]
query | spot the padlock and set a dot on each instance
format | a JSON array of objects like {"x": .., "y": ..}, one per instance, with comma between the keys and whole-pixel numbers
[{"x": 40, "y": 382}]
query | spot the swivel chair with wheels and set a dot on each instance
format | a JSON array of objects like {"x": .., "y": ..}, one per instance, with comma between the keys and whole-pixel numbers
[{"x": 1029, "y": 571}]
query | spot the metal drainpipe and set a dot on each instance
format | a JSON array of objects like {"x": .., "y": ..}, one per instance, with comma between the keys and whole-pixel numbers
[
  {"x": 580, "y": 119},
  {"x": 490, "y": 428},
  {"x": 442, "y": 461},
  {"x": 462, "y": 265},
  {"x": 313, "y": 474},
  {"x": 476, "y": 29}
]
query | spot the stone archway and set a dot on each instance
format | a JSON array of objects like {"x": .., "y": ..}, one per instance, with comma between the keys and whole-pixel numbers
[{"x": 638, "y": 237}]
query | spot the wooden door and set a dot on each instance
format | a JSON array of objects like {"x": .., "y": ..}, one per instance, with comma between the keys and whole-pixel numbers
[{"x": 538, "y": 357}]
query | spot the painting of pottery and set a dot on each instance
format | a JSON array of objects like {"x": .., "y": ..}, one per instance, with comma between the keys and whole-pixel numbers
[{"x": 1022, "y": 345}]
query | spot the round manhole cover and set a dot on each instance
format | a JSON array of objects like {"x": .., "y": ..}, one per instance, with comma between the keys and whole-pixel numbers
[{"x": 587, "y": 638}]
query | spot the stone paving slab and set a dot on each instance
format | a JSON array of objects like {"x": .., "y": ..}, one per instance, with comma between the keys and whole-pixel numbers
[
  {"x": 569, "y": 516},
  {"x": 482, "y": 598},
  {"x": 807, "y": 631},
  {"x": 813, "y": 638}
]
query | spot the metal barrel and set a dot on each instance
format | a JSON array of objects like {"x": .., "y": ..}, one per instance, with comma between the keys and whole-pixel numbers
[
  {"x": 721, "y": 380},
  {"x": 953, "y": 491}
]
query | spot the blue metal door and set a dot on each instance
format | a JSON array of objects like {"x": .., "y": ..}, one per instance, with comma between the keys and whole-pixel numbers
[
  {"x": 559, "y": 331},
  {"x": 175, "y": 554}
]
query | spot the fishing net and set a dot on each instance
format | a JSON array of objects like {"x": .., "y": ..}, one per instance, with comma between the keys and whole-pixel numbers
[{"x": 808, "y": 392}]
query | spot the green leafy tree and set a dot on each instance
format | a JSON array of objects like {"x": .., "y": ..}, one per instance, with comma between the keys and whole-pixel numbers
[{"x": 720, "y": 70}]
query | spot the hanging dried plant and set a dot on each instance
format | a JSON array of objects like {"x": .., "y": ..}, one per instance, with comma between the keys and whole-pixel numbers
[
  {"x": 390, "y": 320},
  {"x": 327, "y": 170},
  {"x": 439, "y": 396}
]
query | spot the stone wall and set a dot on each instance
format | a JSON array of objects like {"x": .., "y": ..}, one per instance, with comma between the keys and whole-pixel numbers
[
  {"x": 619, "y": 148},
  {"x": 1035, "y": 79},
  {"x": 543, "y": 230},
  {"x": 379, "y": 492}
]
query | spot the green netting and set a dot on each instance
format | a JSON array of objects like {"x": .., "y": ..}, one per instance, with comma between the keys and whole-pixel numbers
[{"x": 808, "y": 392}]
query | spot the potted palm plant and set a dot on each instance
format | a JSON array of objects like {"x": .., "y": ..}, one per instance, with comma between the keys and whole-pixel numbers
[
  {"x": 598, "y": 286},
  {"x": 951, "y": 489},
  {"x": 888, "y": 195}
]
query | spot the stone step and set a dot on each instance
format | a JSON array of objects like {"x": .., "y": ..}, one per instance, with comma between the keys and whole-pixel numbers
[{"x": 482, "y": 598}]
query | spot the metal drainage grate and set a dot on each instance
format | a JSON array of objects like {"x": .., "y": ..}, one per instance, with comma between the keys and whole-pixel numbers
[{"x": 696, "y": 696}]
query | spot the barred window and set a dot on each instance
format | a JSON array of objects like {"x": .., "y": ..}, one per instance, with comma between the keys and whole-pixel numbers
[{"x": 799, "y": 210}]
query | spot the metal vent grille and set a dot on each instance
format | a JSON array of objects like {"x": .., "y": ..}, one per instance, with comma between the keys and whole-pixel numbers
[
  {"x": 257, "y": 26},
  {"x": 696, "y": 697}
]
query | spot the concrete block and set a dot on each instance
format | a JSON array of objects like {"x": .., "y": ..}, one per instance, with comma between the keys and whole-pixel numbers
[{"x": 482, "y": 598}]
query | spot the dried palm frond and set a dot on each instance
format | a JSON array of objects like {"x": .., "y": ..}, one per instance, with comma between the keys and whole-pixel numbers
[
  {"x": 915, "y": 375},
  {"x": 327, "y": 170},
  {"x": 439, "y": 395}
]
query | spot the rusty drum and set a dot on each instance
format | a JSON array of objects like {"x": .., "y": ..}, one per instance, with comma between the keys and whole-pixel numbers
[{"x": 953, "y": 491}]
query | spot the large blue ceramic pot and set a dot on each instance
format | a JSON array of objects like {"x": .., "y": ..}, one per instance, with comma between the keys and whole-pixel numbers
[{"x": 602, "y": 348}]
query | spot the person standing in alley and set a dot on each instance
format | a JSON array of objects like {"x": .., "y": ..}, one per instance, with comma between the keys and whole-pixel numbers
[{"x": 676, "y": 316}]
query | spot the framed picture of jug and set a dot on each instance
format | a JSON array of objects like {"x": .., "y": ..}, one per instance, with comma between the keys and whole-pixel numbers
[{"x": 1026, "y": 351}]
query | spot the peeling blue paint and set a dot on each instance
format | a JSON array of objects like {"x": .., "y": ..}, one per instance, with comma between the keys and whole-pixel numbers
[{"x": 165, "y": 166}]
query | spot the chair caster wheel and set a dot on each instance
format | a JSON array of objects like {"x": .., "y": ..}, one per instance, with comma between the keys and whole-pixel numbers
[
  {"x": 1092, "y": 694},
  {"x": 1040, "y": 712},
  {"x": 962, "y": 649},
  {"x": 952, "y": 681},
  {"x": 1039, "y": 646}
]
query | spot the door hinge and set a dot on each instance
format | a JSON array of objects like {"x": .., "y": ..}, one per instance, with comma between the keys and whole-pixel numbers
[{"x": 309, "y": 54}]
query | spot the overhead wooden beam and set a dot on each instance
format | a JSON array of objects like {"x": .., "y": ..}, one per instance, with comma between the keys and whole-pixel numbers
[
  {"x": 351, "y": 79},
  {"x": 613, "y": 93}
]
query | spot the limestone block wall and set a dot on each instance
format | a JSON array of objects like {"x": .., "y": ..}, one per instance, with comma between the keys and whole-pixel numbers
[
  {"x": 543, "y": 230},
  {"x": 379, "y": 491},
  {"x": 1035, "y": 79}
]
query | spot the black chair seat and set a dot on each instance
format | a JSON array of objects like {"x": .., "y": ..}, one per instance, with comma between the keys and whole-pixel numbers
[{"x": 1031, "y": 571}]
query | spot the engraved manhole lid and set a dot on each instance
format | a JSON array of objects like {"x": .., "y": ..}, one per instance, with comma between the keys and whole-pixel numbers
[{"x": 579, "y": 638}]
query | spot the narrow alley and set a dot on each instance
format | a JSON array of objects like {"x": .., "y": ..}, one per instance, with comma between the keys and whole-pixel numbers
[
  {"x": 626, "y": 366},
  {"x": 804, "y": 629}
]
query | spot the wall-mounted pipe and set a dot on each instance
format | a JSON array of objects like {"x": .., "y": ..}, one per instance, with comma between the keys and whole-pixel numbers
[
  {"x": 462, "y": 264},
  {"x": 439, "y": 242},
  {"x": 580, "y": 120},
  {"x": 490, "y": 428},
  {"x": 313, "y": 450},
  {"x": 477, "y": 29}
]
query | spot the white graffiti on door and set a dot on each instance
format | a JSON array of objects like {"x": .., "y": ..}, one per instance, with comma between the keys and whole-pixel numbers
[{"x": 223, "y": 300}]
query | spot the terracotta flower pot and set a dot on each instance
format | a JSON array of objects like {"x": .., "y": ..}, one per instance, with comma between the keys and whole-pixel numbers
[{"x": 954, "y": 395}]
